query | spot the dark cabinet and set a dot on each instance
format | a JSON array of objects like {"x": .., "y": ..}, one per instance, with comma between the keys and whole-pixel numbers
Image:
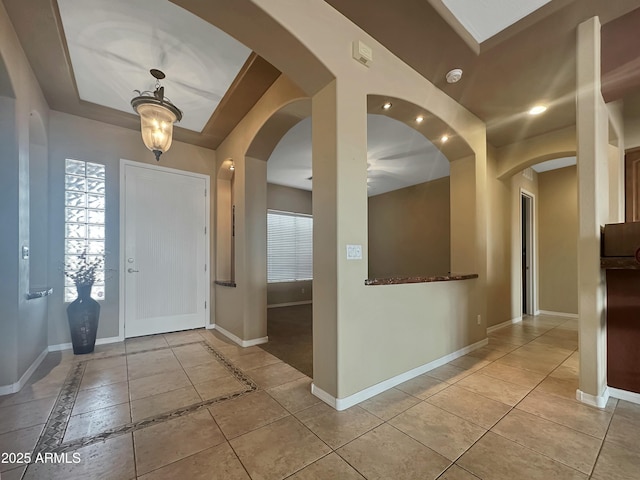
[{"x": 620, "y": 244}]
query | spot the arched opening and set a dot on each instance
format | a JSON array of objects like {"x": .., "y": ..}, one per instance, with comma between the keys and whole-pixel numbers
[
  {"x": 409, "y": 158},
  {"x": 544, "y": 219},
  {"x": 284, "y": 143},
  {"x": 38, "y": 202}
]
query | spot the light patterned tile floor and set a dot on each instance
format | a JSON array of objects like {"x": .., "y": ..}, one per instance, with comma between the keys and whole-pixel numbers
[{"x": 191, "y": 405}]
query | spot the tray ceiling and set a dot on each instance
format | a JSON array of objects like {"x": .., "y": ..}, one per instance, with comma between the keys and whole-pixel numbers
[{"x": 113, "y": 44}]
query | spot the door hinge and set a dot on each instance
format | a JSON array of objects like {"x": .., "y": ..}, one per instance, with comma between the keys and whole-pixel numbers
[
  {"x": 205, "y": 305},
  {"x": 205, "y": 192},
  {"x": 205, "y": 267},
  {"x": 205, "y": 230}
]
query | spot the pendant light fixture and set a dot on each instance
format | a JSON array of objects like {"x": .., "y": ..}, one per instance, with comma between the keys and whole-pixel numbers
[{"x": 157, "y": 116}]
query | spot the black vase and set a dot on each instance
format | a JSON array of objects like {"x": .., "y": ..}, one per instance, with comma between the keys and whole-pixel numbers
[{"x": 83, "y": 315}]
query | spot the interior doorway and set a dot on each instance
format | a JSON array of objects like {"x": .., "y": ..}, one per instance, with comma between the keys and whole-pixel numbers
[{"x": 527, "y": 248}]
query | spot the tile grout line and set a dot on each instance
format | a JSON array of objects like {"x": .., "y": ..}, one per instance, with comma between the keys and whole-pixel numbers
[
  {"x": 603, "y": 440},
  {"x": 133, "y": 439},
  {"x": 503, "y": 416},
  {"x": 565, "y": 426},
  {"x": 66, "y": 401}
]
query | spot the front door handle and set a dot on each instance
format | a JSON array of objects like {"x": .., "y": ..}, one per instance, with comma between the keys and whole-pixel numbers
[{"x": 131, "y": 270}]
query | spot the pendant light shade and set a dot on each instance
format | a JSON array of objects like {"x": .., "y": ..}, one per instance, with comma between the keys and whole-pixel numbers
[{"x": 157, "y": 116}]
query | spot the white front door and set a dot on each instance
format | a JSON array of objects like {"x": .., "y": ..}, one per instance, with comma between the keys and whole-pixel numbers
[{"x": 164, "y": 257}]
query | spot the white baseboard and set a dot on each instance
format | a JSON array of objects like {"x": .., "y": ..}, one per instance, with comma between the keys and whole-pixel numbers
[
  {"x": 493, "y": 328},
  {"x": 593, "y": 400},
  {"x": 60, "y": 347},
  {"x": 290, "y": 304},
  {"x": 210, "y": 326},
  {"x": 362, "y": 395},
  {"x": 557, "y": 314},
  {"x": 237, "y": 340},
  {"x": 16, "y": 387},
  {"x": 99, "y": 341},
  {"x": 625, "y": 395}
]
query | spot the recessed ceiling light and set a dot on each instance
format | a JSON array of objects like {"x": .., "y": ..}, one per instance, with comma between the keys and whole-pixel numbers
[
  {"x": 444, "y": 138},
  {"x": 537, "y": 110},
  {"x": 387, "y": 106},
  {"x": 419, "y": 118}
]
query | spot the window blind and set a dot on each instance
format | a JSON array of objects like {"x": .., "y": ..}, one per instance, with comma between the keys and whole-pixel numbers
[{"x": 289, "y": 247}]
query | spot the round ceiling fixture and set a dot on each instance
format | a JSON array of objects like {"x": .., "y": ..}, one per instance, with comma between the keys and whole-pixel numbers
[
  {"x": 454, "y": 76},
  {"x": 444, "y": 138},
  {"x": 157, "y": 116},
  {"x": 387, "y": 106},
  {"x": 419, "y": 118},
  {"x": 537, "y": 110}
]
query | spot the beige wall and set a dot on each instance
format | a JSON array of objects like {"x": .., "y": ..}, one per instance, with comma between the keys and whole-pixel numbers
[
  {"x": 462, "y": 183},
  {"x": 288, "y": 199},
  {"x": 409, "y": 231},
  {"x": 558, "y": 240},
  {"x": 242, "y": 310},
  {"x": 23, "y": 323},
  {"x": 499, "y": 246},
  {"x": 88, "y": 140},
  {"x": 349, "y": 315},
  {"x": 287, "y": 293}
]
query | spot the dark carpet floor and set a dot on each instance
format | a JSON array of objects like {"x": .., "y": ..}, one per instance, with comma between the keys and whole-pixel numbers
[{"x": 290, "y": 336}]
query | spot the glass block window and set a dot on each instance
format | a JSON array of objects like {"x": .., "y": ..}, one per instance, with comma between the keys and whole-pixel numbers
[
  {"x": 84, "y": 185},
  {"x": 289, "y": 247}
]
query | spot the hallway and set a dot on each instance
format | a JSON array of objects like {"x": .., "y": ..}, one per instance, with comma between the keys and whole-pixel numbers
[{"x": 192, "y": 405}]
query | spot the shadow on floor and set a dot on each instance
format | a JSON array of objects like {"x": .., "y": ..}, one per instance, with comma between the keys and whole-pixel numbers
[{"x": 290, "y": 336}]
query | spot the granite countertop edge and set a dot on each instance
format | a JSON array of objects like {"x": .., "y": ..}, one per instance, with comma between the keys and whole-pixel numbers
[
  {"x": 614, "y": 263},
  {"x": 420, "y": 279}
]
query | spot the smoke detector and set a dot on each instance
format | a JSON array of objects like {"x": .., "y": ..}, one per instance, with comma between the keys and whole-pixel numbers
[{"x": 454, "y": 76}]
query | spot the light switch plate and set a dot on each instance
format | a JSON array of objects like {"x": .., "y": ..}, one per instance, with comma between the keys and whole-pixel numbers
[{"x": 354, "y": 252}]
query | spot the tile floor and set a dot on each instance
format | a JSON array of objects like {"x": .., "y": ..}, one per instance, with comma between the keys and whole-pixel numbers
[{"x": 191, "y": 405}]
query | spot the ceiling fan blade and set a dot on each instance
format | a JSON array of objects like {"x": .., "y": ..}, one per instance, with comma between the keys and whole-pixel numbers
[{"x": 412, "y": 153}]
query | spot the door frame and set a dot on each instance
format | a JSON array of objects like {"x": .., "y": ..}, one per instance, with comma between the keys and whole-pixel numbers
[
  {"x": 532, "y": 276},
  {"x": 121, "y": 256}
]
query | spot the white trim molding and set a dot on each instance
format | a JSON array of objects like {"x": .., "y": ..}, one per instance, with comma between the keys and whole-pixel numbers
[
  {"x": 557, "y": 314},
  {"x": 493, "y": 328},
  {"x": 99, "y": 341},
  {"x": 362, "y": 395},
  {"x": 17, "y": 386},
  {"x": 237, "y": 340},
  {"x": 593, "y": 400},
  {"x": 290, "y": 304},
  {"x": 625, "y": 395}
]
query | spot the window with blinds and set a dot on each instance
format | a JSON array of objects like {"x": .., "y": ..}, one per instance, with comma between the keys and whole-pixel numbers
[{"x": 289, "y": 247}]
